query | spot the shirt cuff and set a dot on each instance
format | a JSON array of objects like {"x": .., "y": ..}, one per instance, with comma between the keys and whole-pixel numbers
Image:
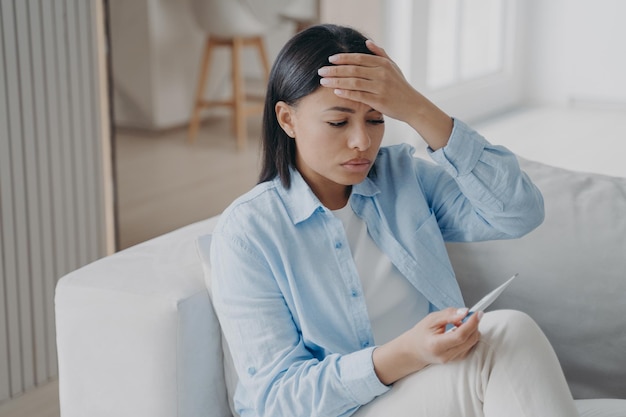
[
  {"x": 359, "y": 377},
  {"x": 464, "y": 148}
]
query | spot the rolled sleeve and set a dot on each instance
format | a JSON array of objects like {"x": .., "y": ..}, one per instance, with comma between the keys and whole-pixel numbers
[
  {"x": 487, "y": 196},
  {"x": 463, "y": 151}
]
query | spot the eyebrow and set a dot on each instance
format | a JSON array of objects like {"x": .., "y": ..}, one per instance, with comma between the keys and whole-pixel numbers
[{"x": 346, "y": 109}]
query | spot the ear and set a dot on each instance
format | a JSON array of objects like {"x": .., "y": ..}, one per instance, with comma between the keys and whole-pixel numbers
[{"x": 285, "y": 114}]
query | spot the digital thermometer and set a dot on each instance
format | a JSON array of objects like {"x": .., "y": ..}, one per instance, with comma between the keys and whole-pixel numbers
[{"x": 487, "y": 300}]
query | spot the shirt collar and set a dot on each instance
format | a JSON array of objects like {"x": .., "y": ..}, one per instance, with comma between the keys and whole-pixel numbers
[
  {"x": 366, "y": 188},
  {"x": 300, "y": 201}
]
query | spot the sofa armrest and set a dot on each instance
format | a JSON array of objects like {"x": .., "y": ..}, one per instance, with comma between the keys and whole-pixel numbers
[{"x": 137, "y": 334}]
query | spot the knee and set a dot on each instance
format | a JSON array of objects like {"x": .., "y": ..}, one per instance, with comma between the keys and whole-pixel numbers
[
  {"x": 509, "y": 326},
  {"x": 514, "y": 318}
]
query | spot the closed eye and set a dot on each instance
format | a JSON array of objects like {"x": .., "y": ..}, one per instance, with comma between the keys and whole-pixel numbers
[
  {"x": 338, "y": 124},
  {"x": 345, "y": 122}
]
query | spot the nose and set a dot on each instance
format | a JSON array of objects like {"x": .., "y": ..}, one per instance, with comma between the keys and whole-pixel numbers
[{"x": 359, "y": 138}]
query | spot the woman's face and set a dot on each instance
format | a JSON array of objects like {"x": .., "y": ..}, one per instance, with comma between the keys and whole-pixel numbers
[{"x": 337, "y": 141}]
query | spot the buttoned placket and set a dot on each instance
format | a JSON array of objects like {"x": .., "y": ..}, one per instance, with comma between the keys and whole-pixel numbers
[{"x": 353, "y": 288}]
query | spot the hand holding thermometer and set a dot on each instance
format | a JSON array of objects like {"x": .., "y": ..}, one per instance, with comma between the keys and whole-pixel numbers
[{"x": 487, "y": 300}]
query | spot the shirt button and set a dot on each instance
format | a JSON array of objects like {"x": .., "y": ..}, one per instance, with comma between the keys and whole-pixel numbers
[
  {"x": 365, "y": 344},
  {"x": 338, "y": 245},
  {"x": 354, "y": 293},
  {"x": 251, "y": 370}
]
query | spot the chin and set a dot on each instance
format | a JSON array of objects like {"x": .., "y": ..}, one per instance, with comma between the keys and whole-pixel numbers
[{"x": 353, "y": 179}]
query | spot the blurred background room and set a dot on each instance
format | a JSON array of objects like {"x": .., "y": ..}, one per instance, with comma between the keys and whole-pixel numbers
[
  {"x": 541, "y": 77},
  {"x": 117, "y": 124}
]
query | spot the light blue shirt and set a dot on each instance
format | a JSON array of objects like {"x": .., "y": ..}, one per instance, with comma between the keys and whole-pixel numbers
[{"x": 286, "y": 289}]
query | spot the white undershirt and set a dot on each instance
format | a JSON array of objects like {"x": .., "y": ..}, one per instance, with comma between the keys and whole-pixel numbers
[{"x": 393, "y": 304}]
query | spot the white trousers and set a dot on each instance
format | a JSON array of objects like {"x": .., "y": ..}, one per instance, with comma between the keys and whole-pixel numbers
[{"x": 512, "y": 371}]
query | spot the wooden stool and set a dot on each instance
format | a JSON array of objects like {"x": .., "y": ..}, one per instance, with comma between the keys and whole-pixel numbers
[{"x": 241, "y": 108}]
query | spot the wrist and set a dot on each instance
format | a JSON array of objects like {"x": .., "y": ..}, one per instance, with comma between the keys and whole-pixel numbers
[
  {"x": 432, "y": 124},
  {"x": 409, "y": 353},
  {"x": 396, "y": 359}
]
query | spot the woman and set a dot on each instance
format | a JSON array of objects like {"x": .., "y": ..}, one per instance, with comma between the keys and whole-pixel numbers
[{"x": 331, "y": 279}]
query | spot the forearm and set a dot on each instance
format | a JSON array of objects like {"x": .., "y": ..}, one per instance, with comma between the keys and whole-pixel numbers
[{"x": 433, "y": 124}]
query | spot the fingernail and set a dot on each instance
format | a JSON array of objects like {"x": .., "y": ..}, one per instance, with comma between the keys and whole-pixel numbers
[
  {"x": 323, "y": 71},
  {"x": 339, "y": 92},
  {"x": 324, "y": 81},
  {"x": 462, "y": 311},
  {"x": 333, "y": 58},
  {"x": 480, "y": 315}
]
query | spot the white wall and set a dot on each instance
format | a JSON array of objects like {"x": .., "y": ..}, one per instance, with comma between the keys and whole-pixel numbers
[
  {"x": 576, "y": 51},
  {"x": 363, "y": 15}
]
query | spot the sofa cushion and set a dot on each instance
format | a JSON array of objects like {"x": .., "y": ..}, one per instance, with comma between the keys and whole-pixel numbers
[
  {"x": 230, "y": 374},
  {"x": 572, "y": 275},
  {"x": 601, "y": 408}
]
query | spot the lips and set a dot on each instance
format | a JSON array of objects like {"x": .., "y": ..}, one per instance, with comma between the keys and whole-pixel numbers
[
  {"x": 357, "y": 162},
  {"x": 357, "y": 165}
]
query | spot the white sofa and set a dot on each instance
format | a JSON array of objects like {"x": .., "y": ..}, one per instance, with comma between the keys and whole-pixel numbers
[{"x": 137, "y": 335}]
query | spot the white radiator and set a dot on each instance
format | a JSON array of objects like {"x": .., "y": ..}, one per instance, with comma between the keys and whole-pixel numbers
[{"x": 52, "y": 160}]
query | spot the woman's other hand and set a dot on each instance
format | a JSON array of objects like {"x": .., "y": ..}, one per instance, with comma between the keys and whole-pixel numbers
[
  {"x": 376, "y": 81},
  {"x": 427, "y": 343}
]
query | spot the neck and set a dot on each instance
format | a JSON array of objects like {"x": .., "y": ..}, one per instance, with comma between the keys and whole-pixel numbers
[{"x": 334, "y": 198}]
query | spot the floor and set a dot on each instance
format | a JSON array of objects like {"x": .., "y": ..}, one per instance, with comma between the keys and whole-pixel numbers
[
  {"x": 164, "y": 182},
  {"x": 40, "y": 402}
]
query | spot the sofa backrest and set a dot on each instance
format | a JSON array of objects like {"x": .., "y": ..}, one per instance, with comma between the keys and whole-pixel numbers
[{"x": 572, "y": 275}]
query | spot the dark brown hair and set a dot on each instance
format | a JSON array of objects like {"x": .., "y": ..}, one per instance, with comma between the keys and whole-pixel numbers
[{"x": 293, "y": 76}]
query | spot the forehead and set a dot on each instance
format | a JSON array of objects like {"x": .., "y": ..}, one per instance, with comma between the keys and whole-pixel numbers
[{"x": 325, "y": 100}]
